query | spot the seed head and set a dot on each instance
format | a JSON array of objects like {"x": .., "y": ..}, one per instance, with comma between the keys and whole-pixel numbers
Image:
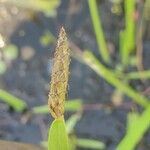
[{"x": 59, "y": 77}]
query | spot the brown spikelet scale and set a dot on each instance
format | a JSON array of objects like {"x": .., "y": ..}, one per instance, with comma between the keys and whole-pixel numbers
[{"x": 59, "y": 77}]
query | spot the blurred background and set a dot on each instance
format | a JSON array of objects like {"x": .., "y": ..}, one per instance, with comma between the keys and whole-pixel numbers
[{"x": 100, "y": 106}]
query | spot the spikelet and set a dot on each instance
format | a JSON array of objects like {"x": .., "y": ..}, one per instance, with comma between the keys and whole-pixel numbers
[{"x": 59, "y": 77}]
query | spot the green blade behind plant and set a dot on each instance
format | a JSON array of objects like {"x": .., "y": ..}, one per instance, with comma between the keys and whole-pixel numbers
[
  {"x": 70, "y": 105},
  {"x": 137, "y": 126},
  {"x": 71, "y": 122},
  {"x": 138, "y": 75},
  {"x": 16, "y": 103},
  {"x": 127, "y": 37},
  {"x": 92, "y": 144},
  {"x": 96, "y": 20},
  {"x": 110, "y": 77}
]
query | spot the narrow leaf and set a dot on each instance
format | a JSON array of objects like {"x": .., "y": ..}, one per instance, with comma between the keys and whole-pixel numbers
[
  {"x": 71, "y": 122},
  {"x": 110, "y": 77},
  {"x": 138, "y": 75},
  {"x": 96, "y": 20},
  {"x": 92, "y": 144},
  {"x": 140, "y": 124},
  {"x": 58, "y": 139},
  {"x": 16, "y": 103},
  {"x": 70, "y": 105}
]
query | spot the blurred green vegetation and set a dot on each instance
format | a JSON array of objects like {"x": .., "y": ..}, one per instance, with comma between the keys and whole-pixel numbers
[
  {"x": 70, "y": 105},
  {"x": 17, "y": 104},
  {"x": 127, "y": 36},
  {"x": 99, "y": 31},
  {"x": 47, "y": 38},
  {"x": 110, "y": 77},
  {"x": 9, "y": 53},
  {"x": 137, "y": 125},
  {"x": 48, "y": 7},
  {"x": 119, "y": 77}
]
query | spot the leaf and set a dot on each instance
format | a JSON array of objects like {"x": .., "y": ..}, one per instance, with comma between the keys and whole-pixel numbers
[
  {"x": 138, "y": 75},
  {"x": 110, "y": 77},
  {"x": 136, "y": 130},
  {"x": 127, "y": 36},
  {"x": 40, "y": 109},
  {"x": 58, "y": 139},
  {"x": 132, "y": 118},
  {"x": 92, "y": 144},
  {"x": 71, "y": 122},
  {"x": 73, "y": 105},
  {"x": 18, "y": 104},
  {"x": 96, "y": 20},
  {"x": 70, "y": 105}
]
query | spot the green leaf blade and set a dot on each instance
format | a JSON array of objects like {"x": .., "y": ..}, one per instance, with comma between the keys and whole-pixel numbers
[
  {"x": 96, "y": 20},
  {"x": 110, "y": 77},
  {"x": 17, "y": 104},
  {"x": 70, "y": 105},
  {"x": 138, "y": 127},
  {"x": 92, "y": 144},
  {"x": 127, "y": 36},
  {"x": 58, "y": 139}
]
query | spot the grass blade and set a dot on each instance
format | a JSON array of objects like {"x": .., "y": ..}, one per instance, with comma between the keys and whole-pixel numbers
[
  {"x": 127, "y": 37},
  {"x": 138, "y": 75},
  {"x": 73, "y": 105},
  {"x": 98, "y": 30},
  {"x": 17, "y": 104},
  {"x": 71, "y": 122},
  {"x": 140, "y": 125},
  {"x": 110, "y": 77},
  {"x": 70, "y": 105},
  {"x": 92, "y": 144},
  {"x": 58, "y": 139}
]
